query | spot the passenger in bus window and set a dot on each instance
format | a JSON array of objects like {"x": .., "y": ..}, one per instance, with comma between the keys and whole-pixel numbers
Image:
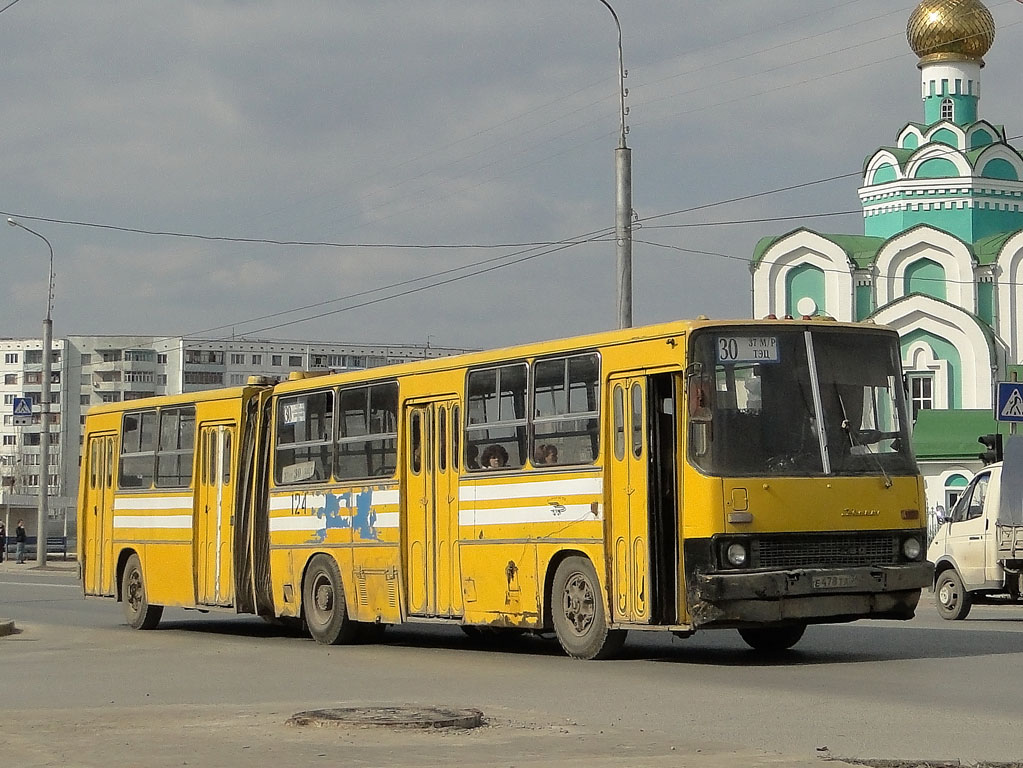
[
  {"x": 494, "y": 457},
  {"x": 472, "y": 456},
  {"x": 546, "y": 453}
]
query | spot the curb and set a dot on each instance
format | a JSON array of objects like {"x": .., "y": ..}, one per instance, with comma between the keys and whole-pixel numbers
[{"x": 6, "y": 627}]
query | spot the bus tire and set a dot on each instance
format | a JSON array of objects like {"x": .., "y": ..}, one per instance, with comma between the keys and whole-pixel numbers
[
  {"x": 577, "y": 610},
  {"x": 323, "y": 603},
  {"x": 137, "y": 610},
  {"x": 950, "y": 596},
  {"x": 772, "y": 639}
]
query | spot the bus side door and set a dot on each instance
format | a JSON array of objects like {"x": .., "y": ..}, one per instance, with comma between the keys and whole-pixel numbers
[
  {"x": 433, "y": 584},
  {"x": 214, "y": 525},
  {"x": 96, "y": 525},
  {"x": 628, "y": 531}
]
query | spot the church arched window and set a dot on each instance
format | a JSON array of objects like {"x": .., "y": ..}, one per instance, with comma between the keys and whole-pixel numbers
[{"x": 947, "y": 109}]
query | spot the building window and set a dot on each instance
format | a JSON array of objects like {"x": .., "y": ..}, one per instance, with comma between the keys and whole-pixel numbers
[
  {"x": 34, "y": 377},
  {"x": 947, "y": 109},
  {"x": 9, "y": 440},
  {"x": 921, "y": 392},
  {"x": 162, "y": 359},
  {"x": 203, "y": 377},
  {"x": 257, "y": 359},
  {"x": 161, "y": 379},
  {"x": 237, "y": 359},
  {"x": 110, "y": 397},
  {"x": 8, "y": 399},
  {"x": 139, "y": 355},
  {"x": 111, "y": 355},
  {"x": 85, "y": 399},
  {"x": 275, "y": 359},
  {"x": 34, "y": 356},
  {"x": 295, "y": 361},
  {"x": 11, "y": 357},
  {"x": 10, "y": 378},
  {"x": 86, "y": 359}
]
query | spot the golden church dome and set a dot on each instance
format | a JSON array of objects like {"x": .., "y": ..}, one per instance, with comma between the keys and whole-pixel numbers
[{"x": 950, "y": 30}]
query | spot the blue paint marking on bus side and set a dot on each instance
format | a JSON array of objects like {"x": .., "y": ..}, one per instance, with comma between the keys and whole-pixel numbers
[
  {"x": 364, "y": 518},
  {"x": 332, "y": 517}
]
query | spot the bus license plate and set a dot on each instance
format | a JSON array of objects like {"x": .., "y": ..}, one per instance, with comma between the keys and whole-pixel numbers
[{"x": 832, "y": 582}]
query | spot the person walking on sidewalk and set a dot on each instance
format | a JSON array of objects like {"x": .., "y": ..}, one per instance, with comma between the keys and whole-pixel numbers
[
  {"x": 3, "y": 542},
  {"x": 19, "y": 541}
]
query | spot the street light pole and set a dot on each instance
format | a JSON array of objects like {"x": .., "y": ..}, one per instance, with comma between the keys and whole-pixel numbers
[
  {"x": 44, "y": 408},
  {"x": 623, "y": 198}
]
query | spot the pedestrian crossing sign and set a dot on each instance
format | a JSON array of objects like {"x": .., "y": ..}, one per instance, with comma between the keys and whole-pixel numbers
[
  {"x": 22, "y": 411},
  {"x": 1010, "y": 401}
]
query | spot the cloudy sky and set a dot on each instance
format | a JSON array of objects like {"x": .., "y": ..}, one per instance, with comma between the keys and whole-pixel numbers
[{"x": 412, "y": 163}]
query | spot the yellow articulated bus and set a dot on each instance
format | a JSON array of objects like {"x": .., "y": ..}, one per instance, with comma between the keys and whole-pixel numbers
[{"x": 754, "y": 475}]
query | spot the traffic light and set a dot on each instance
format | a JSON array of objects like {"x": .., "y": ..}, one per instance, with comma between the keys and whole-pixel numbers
[{"x": 993, "y": 444}]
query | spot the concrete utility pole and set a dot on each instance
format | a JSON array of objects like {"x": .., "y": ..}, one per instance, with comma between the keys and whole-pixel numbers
[
  {"x": 44, "y": 408},
  {"x": 623, "y": 198}
]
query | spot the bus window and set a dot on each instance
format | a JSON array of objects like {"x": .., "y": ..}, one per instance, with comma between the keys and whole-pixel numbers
[
  {"x": 416, "y": 441},
  {"x": 368, "y": 424},
  {"x": 497, "y": 411},
  {"x": 456, "y": 429},
  {"x": 177, "y": 445},
  {"x": 566, "y": 397},
  {"x": 303, "y": 438},
  {"x": 619, "y": 424},
  {"x": 138, "y": 450},
  {"x": 637, "y": 420},
  {"x": 442, "y": 438}
]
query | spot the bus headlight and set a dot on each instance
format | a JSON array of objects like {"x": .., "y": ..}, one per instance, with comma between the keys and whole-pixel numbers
[
  {"x": 736, "y": 555},
  {"x": 911, "y": 548}
]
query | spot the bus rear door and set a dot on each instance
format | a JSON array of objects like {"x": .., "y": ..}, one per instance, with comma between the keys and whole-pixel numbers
[
  {"x": 96, "y": 525},
  {"x": 431, "y": 510},
  {"x": 214, "y": 531}
]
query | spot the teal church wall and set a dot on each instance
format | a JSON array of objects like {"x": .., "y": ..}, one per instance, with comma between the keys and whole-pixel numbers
[
  {"x": 804, "y": 280},
  {"x": 945, "y": 136},
  {"x": 927, "y": 277},
  {"x": 864, "y": 301},
  {"x": 937, "y": 168},
  {"x": 999, "y": 168},
  {"x": 986, "y": 302}
]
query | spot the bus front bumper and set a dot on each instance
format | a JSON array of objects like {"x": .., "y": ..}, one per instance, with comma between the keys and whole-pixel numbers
[{"x": 810, "y": 594}]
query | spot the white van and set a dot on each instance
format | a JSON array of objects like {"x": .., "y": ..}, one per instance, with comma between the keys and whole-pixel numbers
[{"x": 978, "y": 550}]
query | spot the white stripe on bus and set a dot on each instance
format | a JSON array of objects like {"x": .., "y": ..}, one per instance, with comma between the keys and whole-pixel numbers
[
  {"x": 568, "y": 513},
  {"x": 153, "y": 521},
  {"x": 153, "y": 502},
  {"x": 317, "y": 500},
  {"x": 525, "y": 490}
]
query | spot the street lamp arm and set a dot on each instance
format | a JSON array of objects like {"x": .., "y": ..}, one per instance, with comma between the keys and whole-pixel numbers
[
  {"x": 49, "y": 283},
  {"x": 621, "y": 74}
]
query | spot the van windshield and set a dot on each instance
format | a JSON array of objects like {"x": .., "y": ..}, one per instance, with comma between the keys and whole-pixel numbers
[{"x": 797, "y": 401}]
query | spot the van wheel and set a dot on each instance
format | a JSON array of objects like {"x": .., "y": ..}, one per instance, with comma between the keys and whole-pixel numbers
[
  {"x": 577, "y": 610},
  {"x": 951, "y": 598},
  {"x": 772, "y": 639},
  {"x": 137, "y": 610},
  {"x": 323, "y": 603}
]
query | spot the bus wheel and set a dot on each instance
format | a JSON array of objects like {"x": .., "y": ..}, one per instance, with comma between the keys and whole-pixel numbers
[
  {"x": 137, "y": 610},
  {"x": 323, "y": 601},
  {"x": 951, "y": 598},
  {"x": 578, "y": 612},
  {"x": 772, "y": 639}
]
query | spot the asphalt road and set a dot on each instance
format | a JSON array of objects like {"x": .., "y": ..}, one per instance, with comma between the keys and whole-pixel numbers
[{"x": 80, "y": 688}]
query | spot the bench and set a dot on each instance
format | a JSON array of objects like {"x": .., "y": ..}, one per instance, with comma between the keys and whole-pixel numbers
[{"x": 54, "y": 545}]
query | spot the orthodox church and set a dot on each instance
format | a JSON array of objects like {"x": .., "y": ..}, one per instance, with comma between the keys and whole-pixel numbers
[{"x": 941, "y": 254}]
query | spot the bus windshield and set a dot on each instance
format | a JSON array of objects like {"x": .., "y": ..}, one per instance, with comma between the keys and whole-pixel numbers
[{"x": 821, "y": 401}]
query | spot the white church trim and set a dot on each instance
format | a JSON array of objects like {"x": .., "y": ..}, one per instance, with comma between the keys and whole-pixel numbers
[
  {"x": 924, "y": 242},
  {"x": 1009, "y": 295},
  {"x": 794, "y": 250},
  {"x": 978, "y": 361}
]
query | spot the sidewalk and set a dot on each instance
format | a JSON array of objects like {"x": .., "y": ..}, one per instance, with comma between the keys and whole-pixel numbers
[{"x": 10, "y": 566}]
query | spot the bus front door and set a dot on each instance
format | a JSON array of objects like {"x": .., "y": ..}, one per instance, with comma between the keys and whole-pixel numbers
[
  {"x": 431, "y": 509},
  {"x": 629, "y": 531},
  {"x": 214, "y": 512},
  {"x": 96, "y": 525}
]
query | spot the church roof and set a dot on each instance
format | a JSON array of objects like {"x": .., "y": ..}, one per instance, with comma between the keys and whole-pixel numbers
[
  {"x": 861, "y": 249},
  {"x": 951, "y": 435},
  {"x": 987, "y": 248}
]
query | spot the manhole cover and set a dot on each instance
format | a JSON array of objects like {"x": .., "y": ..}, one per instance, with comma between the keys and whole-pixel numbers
[{"x": 390, "y": 717}]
